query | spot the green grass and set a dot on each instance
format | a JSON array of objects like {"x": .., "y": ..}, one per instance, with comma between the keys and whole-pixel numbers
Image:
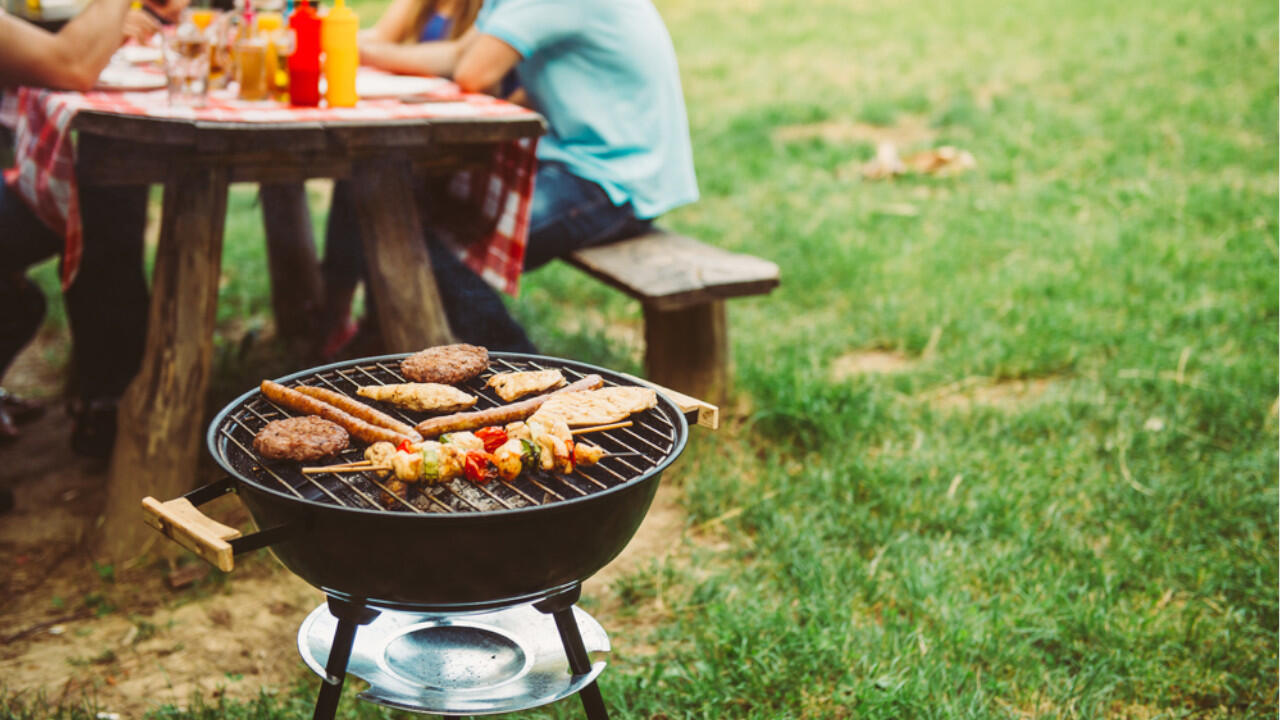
[{"x": 1105, "y": 549}]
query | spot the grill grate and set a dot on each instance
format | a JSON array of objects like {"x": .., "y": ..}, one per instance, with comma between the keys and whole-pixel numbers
[{"x": 646, "y": 443}]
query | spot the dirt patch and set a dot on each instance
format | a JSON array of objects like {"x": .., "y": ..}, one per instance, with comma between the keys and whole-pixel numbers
[
  {"x": 864, "y": 362},
  {"x": 659, "y": 537},
  {"x": 907, "y": 131},
  {"x": 969, "y": 393},
  {"x": 236, "y": 642},
  {"x": 120, "y": 636}
]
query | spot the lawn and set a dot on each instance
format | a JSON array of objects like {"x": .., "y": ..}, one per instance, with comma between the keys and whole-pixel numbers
[{"x": 1056, "y": 495}]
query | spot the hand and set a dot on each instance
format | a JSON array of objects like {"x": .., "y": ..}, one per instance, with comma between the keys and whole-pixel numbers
[{"x": 140, "y": 26}]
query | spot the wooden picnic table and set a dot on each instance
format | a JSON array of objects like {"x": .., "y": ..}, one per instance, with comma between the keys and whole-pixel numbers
[{"x": 161, "y": 415}]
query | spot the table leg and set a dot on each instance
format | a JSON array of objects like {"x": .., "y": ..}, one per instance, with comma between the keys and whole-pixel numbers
[
  {"x": 162, "y": 412},
  {"x": 291, "y": 258},
  {"x": 410, "y": 313}
]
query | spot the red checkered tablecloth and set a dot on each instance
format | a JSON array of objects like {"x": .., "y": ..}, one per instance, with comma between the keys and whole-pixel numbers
[{"x": 488, "y": 234}]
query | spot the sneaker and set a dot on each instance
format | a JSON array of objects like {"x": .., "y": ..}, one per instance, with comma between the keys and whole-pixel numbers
[{"x": 93, "y": 432}]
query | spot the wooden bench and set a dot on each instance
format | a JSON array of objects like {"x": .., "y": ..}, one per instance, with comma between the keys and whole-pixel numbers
[{"x": 682, "y": 285}]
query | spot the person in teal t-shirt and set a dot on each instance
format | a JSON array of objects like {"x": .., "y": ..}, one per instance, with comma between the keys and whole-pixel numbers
[{"x": 616, "y": 154}]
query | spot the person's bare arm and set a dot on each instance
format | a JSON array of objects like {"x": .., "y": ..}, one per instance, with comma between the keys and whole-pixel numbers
[
  {"x": 69, "y": 60},
  {"x": 483, "y": 63},
  {"x": 428, "y": 58},
  {"x": 395, "y": 23}
]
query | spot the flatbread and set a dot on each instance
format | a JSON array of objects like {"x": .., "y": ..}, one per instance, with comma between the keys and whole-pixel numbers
[{"x": 598, "y": 407}]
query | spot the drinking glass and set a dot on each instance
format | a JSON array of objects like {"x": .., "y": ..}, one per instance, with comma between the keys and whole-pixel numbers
[
  {"x": 186, "y": 65},
  {"x": 280, "y": 45},
  {"x": 251, "y": 67},
  {"x": 221, "y": 65}
]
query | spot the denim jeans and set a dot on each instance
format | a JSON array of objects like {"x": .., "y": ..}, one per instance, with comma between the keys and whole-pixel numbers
[
  {"x": 568, "y": 213},
  {"x": 106, "y": 305}
]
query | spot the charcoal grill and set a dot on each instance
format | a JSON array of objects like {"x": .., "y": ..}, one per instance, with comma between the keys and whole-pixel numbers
[{"x": 445, "y": 549}]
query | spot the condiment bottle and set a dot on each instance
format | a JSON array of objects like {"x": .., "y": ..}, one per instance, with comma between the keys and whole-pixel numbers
[
  {"x": 341, "y": 55},
  {"x": 269, "y": 22},
  {"x": 304, "y": 63}
]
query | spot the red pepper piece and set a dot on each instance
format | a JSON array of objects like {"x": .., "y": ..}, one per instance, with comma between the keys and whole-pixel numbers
[
  {"x": 492, "y": 437},
  {"x": 405, "y": 446},
  {"x": 478, "y": 468}
]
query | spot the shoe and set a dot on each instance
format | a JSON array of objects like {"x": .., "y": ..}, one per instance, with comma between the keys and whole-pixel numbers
[
  {"x": 8, "y": 427},
  {"x": 93, "y": 432},
  {"x": 15, "y": 411}
]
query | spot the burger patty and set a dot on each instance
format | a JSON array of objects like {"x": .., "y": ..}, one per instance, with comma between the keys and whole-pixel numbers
[
  {"x": 300, "y": 439},
  {"x": 447, "y": 364}
]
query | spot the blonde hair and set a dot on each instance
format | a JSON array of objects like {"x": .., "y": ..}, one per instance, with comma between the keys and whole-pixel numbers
[{"x": 462, "y": 14}]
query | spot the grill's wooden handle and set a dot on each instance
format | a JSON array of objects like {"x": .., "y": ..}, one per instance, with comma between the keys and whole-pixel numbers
[
  {"x": 182, "y": 523},
  {"x": 708, "y": 414}
]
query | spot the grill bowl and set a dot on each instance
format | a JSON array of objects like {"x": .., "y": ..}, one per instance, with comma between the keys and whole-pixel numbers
[{"x": 449, "y": 553}]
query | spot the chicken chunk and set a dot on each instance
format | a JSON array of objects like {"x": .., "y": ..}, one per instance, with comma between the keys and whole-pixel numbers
[
  {"x": 519, "y": 430},
  {"x": 584, "y": 454},
  {"x": 407, "y": 466},
  {"x": 509, "y": 459},
  {"x": 423, "y": 397},
  {"x": 465, "y": 440},
  {"x": 551, "y": 433},
  {"x": 380, "y": 454},
  {"x": 513, "y": 385}
]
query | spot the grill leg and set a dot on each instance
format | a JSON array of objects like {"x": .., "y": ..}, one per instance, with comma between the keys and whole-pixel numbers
[
  {"x": 561, "y": 608},
  {"x": 350, "y": 616}
]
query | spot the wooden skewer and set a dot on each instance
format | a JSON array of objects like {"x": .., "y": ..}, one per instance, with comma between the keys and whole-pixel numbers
[
  {"x": 346, "y": 467},
  {"x": 610, "y": 426},
  {"x": 369, "y": 466},
  {"x": 354, "y": 463}
]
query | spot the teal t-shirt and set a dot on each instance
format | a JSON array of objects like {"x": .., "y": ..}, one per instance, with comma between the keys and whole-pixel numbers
[{"x": 603, "y": 73}]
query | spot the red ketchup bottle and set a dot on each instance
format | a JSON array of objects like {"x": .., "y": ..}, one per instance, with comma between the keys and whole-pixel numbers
[{"x": 304, "y": 63}]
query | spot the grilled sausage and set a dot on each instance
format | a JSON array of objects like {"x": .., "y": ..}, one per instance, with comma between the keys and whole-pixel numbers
[
  {"x": 360, "y": 410},
  {"x": 500, "y": 415},
  {"x": 359, "y": 429}
]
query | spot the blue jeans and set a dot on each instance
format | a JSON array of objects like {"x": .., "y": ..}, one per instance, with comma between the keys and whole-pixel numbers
[
  {"x": 106, "y": 305},
  {"x": 568, "y": 213}
]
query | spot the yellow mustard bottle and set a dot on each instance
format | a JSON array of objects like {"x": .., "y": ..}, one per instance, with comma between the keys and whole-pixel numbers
[{"x": 341, "y": 55}]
